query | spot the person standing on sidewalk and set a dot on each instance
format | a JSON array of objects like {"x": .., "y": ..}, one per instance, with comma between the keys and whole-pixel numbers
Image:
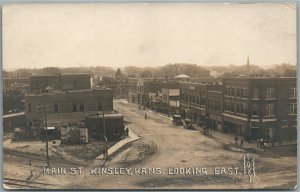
[
  {"x": 127, "y": 131},
  {"x": 236, "y": 138},
  {"x": 265, "y": 146},
  {"x": 145, "y": 116}
]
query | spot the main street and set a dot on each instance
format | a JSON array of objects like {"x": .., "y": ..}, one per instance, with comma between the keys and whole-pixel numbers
[{"x": 165, "y": 148}]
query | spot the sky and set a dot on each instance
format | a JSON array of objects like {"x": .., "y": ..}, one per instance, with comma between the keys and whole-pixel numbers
[{"x": 147, "y": 35}]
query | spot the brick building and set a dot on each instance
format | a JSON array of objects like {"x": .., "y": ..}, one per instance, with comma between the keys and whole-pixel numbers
[
  {"x": 202, "y": 103},
  {"x": 61, "y": 82},
  {"x": 67, "y": 106},
  {"x": 14, "y": 90},
  {"x": 119, "y": 85},
  {"x": 15, "y": 84},
  {"x": 132, "y": 90},
  {"x": 256, "y": 107},
  {"x": 261, "y": 107},
  {"x": 215, "y": 106}
]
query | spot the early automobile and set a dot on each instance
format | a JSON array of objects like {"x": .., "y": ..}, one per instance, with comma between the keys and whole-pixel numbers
[
  {"x": 188, "y": 124},
  {"x": 177, "y": 120}
]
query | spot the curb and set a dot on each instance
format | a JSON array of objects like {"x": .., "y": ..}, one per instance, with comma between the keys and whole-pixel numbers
[{"x": 133, "y": 137}]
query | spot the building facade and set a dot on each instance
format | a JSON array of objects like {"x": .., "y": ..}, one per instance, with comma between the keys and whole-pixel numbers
[
  {"x": 256, "y": 107},
  {"x": 119, "y": 86},
  {"x": 261, "y": 107},
  {"x": 132, "y": 90},
  {"x": 67, "y": 106}
]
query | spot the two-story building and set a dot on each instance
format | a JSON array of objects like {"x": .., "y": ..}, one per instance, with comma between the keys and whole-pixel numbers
[{"x": 250, "y": 107}]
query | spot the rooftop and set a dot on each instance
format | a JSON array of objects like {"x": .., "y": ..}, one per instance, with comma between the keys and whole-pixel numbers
[
  {"x": 62, "y": 74},
  {"x": 272, "y": 78},
  {"x": 57, "y": 92}
]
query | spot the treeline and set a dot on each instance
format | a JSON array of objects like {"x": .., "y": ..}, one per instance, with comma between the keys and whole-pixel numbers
[
  {"x": 26, "y": 73},
  {"x": 170, "y": 70},
  {"x": 276, "y": 70}
]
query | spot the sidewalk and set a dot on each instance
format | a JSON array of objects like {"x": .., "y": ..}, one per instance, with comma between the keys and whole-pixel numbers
[
  {"x": 229, "y": 138},
  {"x": 132, "y": 137}
]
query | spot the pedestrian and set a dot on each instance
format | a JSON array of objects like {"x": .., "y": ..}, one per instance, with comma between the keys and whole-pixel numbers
[
  {"x": 265, "y": 146},
  {"x": 127, "y": 131},
  {"x": 258, "y": 145},
  {"x": 242, "y": 142},
  {"x": 261, "y": 142},
  {"x": 145, "y": 116},
  {"x": 236, "y": 138}
]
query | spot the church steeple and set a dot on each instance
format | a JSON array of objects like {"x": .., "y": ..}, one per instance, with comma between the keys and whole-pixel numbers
[{"x": 248, "y": 66}]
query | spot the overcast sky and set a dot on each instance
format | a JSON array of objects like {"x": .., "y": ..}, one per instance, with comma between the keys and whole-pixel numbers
[{"x": 117, "y": 35}]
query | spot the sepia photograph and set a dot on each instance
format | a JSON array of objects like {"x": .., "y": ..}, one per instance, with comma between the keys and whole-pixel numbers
[{"x": 149, "y": 96}]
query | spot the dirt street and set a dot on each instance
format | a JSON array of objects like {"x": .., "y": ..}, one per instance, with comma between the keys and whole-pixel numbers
[{"x": 166, "y": 157}]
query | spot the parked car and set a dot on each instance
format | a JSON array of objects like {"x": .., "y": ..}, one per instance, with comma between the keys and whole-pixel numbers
[
  {"x": 188, "y": 124},
  {"x": 177, "y": 120}
]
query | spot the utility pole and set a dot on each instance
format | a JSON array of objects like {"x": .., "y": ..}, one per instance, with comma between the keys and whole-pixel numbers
[
  {"x": 46, "y": 135},
  {"x": 104, "y": 131}
]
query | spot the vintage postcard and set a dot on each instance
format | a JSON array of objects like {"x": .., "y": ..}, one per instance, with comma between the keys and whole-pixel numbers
[{"x": 149, "y": 96}]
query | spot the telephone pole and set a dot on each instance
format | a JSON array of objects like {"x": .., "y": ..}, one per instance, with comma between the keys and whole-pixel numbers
[
  {"x": 104, "y": 131},
  {"x": 46, "y": 135}
]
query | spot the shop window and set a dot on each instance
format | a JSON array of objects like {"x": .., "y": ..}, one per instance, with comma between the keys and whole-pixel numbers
[
  {"x": 29, "y": 107},
  {"x": 270, "y": 93},
  {"x": 74, "y": 107},
  {"x": 255, "y": 94},
  {"x": 81, "y": 107},
  {"x": 293, "y": 92},
  {"x": 293, "y": 108},
  {"x": 269, "y": 110},
  {"x": 255, "y": 109}
]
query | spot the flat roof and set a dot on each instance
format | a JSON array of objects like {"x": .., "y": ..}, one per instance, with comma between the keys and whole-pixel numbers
[
  {"x": 246, "y": 77},
  {"x": 61, "y": 92},
  {"x": 62, "y": 74}
]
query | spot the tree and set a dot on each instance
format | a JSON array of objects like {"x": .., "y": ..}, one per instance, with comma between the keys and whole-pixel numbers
[
  {"x": 119, "y": 73},
  {"x": 283, "y": 70},
  {"x": 51, "y": 71},
  {"x": 146, "y": 73}
]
